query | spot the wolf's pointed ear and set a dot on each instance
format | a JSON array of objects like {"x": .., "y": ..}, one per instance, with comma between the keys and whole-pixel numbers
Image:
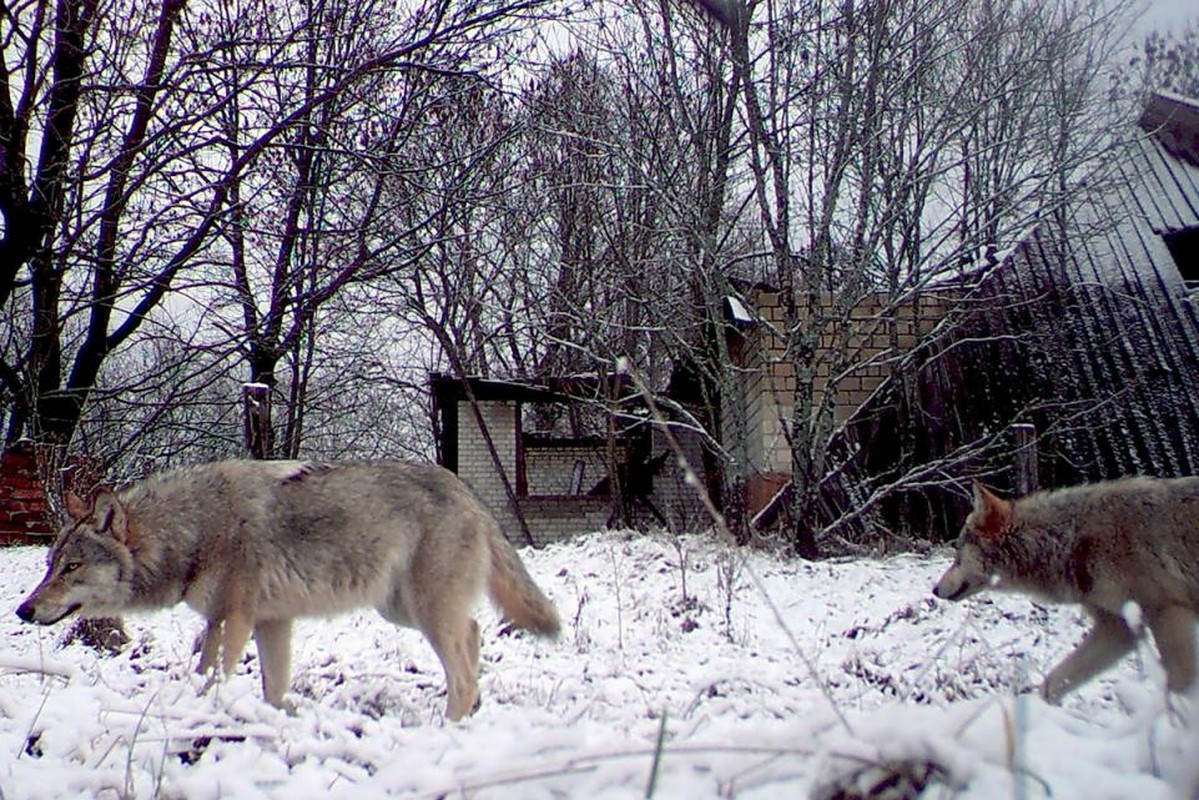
[
  {"x": 991, "y": 513},
  {"x": 77, "y": 507},
  {"x": 112, "y": 517}
]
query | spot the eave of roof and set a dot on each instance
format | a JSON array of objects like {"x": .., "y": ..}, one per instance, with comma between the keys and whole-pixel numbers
[{"x": 1173, "y": 121}]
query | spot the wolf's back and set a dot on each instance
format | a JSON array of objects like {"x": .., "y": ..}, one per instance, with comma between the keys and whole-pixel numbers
[
  {"x": 1143, "y": 509},
  {"x": 1139, "y": 529}
]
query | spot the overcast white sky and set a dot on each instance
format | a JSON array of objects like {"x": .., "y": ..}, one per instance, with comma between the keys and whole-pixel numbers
[{"x": 1164, "y": 14}]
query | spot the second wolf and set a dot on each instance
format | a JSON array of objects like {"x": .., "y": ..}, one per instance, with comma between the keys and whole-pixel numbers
[
  {"x": 252, "y": 545},
  {"x": 1104, "y": 546}
]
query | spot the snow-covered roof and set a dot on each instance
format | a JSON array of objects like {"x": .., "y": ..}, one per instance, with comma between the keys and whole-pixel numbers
[
  {"x": 737, "y": 313},
  {"x": 1172, "y": 120}
]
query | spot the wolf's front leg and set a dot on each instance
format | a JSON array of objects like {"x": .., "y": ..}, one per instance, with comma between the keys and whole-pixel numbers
[
  {"x": 235, "y": 636},
  {"x": 208, "y": 645},
  {"x": 1104, "y": 645}
]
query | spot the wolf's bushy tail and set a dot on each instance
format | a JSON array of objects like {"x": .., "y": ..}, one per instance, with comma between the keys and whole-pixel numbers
[{"x": 510, "y": 587}]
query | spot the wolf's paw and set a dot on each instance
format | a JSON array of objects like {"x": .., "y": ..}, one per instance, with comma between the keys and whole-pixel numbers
[
  {"x": 288, "y": 707},
  {"x": 1052, "y": 691}
]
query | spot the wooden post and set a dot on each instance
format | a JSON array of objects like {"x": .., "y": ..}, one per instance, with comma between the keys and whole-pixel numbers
[
  {"x": 256, "y": 398},
  {"x": 1024, "y": 458}
]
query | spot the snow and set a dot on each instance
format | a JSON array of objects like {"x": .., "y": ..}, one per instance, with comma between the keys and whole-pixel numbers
[
  {"x": 737, "y": 311},
  {"x": 798, "y": 679}
]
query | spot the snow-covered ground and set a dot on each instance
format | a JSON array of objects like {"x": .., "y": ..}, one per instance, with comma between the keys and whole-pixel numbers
[{"x": 801, "y": 674}]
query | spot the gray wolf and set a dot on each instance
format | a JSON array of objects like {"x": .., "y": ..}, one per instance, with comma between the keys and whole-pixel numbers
[
  {"x": 1103, "y": 546},
  {"x": 251, "y": 545}
]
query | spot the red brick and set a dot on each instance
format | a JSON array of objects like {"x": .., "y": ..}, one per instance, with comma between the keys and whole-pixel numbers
[
  {"x": 21, "y": 538},
  {"x": 17, "y": 459},
  {"x": 26, "y": 494},
  {"x": 20, "y": 478},
  {"x": 23, "y": 515}
]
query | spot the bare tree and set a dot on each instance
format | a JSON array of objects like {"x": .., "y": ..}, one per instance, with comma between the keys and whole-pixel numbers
[
  {"x": 636, "y": 136},
  {"x": 183, "y": 151},
  {"x": 68, "y": 263},
  {"x": 372, "y": 187},
  {"x": 1167, "y": 60},
  {"x": 893, "y": 146}
]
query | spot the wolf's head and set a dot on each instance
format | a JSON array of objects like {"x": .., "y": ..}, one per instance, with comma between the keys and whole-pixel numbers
[
  {"x": 974, "y": 566},
  {"x": 89, "y": 566}
]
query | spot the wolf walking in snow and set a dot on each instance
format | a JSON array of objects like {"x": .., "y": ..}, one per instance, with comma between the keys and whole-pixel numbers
[
  {"x": 251, "y": 545},
  {"x": 1104, "y": 546}
]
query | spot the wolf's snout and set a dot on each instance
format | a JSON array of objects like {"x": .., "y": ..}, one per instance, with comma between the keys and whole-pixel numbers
[
  {"x": 48, "y": 614},
  {"x": 953, "y": 585},
  {"x": 946, "y": 594}
]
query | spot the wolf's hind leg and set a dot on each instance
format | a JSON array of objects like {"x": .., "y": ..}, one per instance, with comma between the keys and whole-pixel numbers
[
  {"x": 475, "y": 644},
  {"x": 273, "y": 638},
  {"x": 1108, "y": 641},
  {"x": 1174, "y": 634},
  {"x": 455, "y": 638}
]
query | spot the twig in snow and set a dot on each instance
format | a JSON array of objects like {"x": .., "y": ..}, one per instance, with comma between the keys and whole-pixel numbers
[{"x": 722, "y": 529}]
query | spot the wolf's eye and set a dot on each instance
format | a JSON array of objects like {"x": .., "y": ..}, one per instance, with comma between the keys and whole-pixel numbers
[{"x": 71, "y": 566}]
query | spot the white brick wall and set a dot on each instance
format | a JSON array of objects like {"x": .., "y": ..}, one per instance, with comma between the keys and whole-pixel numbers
[
  {"x": 475, "y": 465},
  {"x": 549, "y": 470},
  {"x": 549, "y": 519},
  {"x": 550, "y": 514},
  {"x": 771, "y": 384}
]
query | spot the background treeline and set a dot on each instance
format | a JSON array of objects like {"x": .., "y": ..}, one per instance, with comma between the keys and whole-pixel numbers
[{"x": 335, "y": 197}]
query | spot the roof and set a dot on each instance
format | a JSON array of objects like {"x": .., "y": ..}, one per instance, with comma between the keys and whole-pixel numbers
[
  {"x": 736, "y": 312},
  {"x": 1133, "y": 337},
  {"x": 1087, "y": 329},
  {"x": 1168, "y": 163},
  {"x": 1173, "y": 122},
  {"x": 450, "y": 388}
]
